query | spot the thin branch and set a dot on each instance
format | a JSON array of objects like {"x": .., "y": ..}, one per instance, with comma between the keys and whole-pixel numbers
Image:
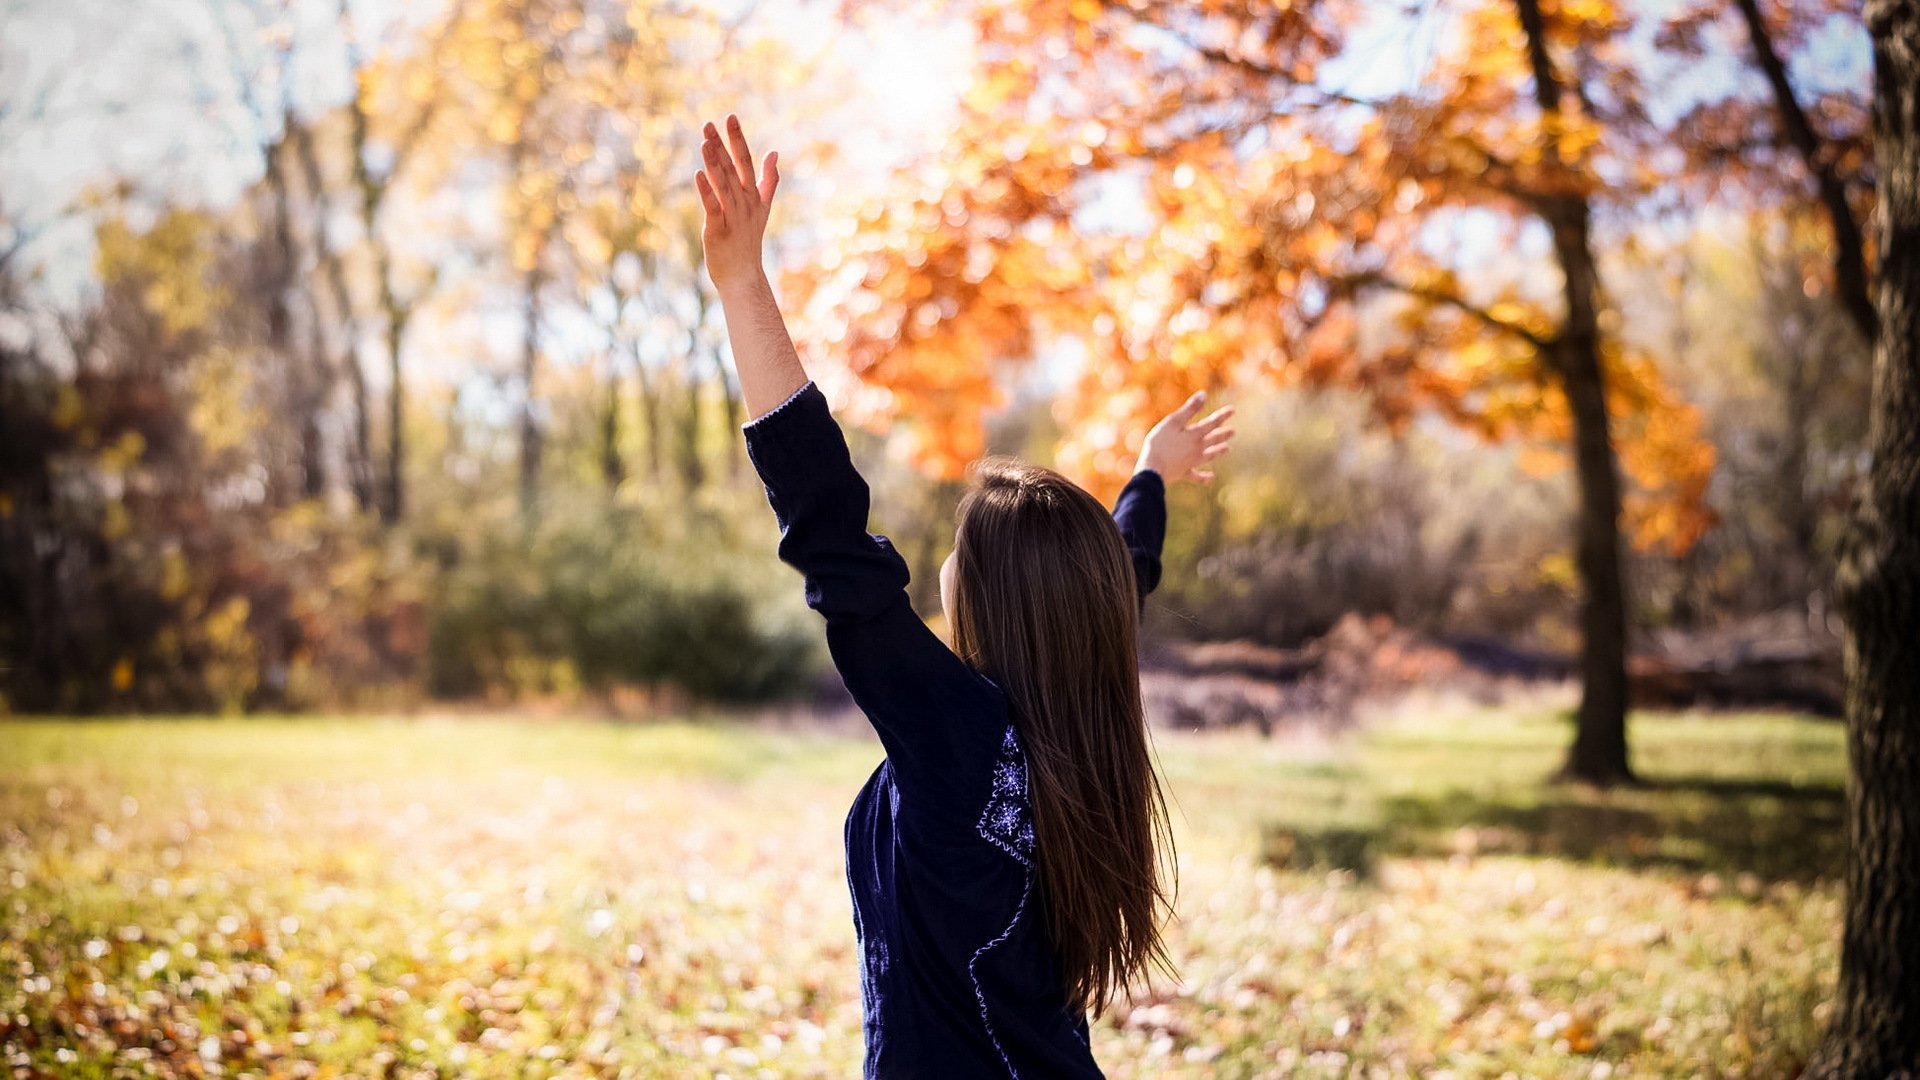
[
  {"x": 1322, "y": 97},
  {"x": 1849, "y": 257},
  {"x": 1380, "y": 279},
  {"x": 415, "y": 132}
]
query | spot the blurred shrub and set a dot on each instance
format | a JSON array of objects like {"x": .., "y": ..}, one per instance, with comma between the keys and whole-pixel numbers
[
  {"x": 599, "y": 595},
  {"x": 155, "y": 551},
  {"x": 175, "y": 535},
  {"x": 1781, "y": 377},
  {"x": 1320, "y": 513}
]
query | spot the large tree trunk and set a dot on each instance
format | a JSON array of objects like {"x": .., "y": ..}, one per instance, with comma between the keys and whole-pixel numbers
[
  {"x": 1599, "y": 753},
  {"x": 1875, "y": 1032}
]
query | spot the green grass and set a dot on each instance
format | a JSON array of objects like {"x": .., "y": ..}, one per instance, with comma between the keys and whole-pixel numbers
[{"x": 497, "y": 898}]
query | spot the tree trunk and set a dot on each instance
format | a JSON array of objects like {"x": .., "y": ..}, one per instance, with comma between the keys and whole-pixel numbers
[
  {"x": 360, "y": 454},
  {"x": 729, "y": 395},
  {"x": 732, "y": 409},
  {"x": 372, "y": 194},
  {"x": 693, "y": 471},
  {"x": 1599, "y": 753},
  {"x": 1797, "y": 510},
  {"x": 1875, "y": 1031},
  {"x": 613, "y": 468},
  {"x": 395, "y": 505},
  {"x": 530, "y": 436},
  {"x": 305, "y": 385},
  {"x": 649, "y": 412}
]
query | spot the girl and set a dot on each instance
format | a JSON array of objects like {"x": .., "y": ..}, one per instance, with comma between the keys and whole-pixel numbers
[{"x": 1004, "y": 858}]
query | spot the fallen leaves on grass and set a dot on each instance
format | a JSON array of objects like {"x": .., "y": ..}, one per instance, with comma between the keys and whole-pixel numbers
[{"x": 577, "y": 901}]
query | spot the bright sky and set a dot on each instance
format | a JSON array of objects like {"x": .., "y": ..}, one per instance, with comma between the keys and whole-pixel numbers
[
  {"x": 103, "y": 88},
  {"x": 96, "y": 89},
  {"x": 154, "y": 91}
]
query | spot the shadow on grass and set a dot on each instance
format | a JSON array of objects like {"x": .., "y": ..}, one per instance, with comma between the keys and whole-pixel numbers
[{"x": 1773, "y": 831}]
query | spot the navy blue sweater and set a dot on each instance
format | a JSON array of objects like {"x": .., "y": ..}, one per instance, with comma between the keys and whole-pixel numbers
[{"x": 957, "y": 971}]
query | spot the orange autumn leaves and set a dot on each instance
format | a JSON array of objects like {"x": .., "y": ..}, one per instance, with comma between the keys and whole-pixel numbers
[{"x": 1161, "y": 198}]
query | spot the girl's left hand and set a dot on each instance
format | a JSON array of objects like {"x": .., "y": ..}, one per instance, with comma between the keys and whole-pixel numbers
[
  {"x": 1179, "y": 446},
  {"x": 736, "y": 206}
]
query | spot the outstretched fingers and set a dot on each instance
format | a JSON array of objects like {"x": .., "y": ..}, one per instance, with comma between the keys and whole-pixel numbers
[
  {"x": 1185, "y": 413},
  {"x": 708, "y": 200},
  {"x": 1213, "y": 420},
  {"x": 770, "y": 176},
  {"x": 742, "y": 157},
  {"x": 729, "y": 169},
  {"x": 721, "y": 179}
]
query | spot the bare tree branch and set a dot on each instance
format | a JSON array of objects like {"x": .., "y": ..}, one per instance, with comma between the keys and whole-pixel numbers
[
  {"x": 1850, "y": 255},
  {"x": 1355, "y": 283}
]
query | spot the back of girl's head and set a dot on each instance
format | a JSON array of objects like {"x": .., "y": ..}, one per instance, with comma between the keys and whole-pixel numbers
[{"x": 1044, "y": 604}]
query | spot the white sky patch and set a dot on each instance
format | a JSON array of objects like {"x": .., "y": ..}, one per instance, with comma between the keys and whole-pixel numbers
[{"x": 1390, "y": 54}]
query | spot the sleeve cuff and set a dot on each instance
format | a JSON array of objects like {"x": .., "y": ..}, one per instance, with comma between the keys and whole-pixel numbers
[
  {"x": 1146, "y": 479},
  {"x": 775, "y": 411},
  {"x": 797, "y": 443}
]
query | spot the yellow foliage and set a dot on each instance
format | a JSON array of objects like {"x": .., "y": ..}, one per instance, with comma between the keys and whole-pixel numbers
[
  {"x": 223, "y": 413},
  {"x": 172, "y": 261},
  {"x": 175, "y": 577},
  {"x": 232, "y": 667}
]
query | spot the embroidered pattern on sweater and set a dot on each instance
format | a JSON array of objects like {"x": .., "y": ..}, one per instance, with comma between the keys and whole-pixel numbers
[{"x": 1006, "y": 823}]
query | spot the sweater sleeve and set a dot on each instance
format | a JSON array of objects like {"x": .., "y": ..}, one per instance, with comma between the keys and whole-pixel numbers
[
  {"x": 1141, "y": 513},
  {"x": 940, "y": 721}
]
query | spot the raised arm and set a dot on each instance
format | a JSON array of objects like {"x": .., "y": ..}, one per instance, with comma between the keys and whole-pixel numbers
[
  {"x": 1178, "y": 448},
  {"x": 818, "y": 496},
  {"x": 899, "y": 672},
  {"x": 736, "y": 225}
]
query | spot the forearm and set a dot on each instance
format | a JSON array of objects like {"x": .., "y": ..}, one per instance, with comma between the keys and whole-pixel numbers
[{"x": 763, "y": 352}]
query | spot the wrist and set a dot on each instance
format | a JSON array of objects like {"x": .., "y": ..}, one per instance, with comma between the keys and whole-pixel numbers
[{"x": 743, "y": 284}]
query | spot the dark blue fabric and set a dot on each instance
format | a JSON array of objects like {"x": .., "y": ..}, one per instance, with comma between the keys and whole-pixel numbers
[{"x": 958, "y": 975}]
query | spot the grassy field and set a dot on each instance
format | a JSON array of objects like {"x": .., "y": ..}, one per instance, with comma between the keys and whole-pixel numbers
[{"x": 483, "y": 898}]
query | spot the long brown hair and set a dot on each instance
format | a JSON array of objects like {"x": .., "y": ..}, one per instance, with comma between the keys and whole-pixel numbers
[{"x": 1044, "y": 604}]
